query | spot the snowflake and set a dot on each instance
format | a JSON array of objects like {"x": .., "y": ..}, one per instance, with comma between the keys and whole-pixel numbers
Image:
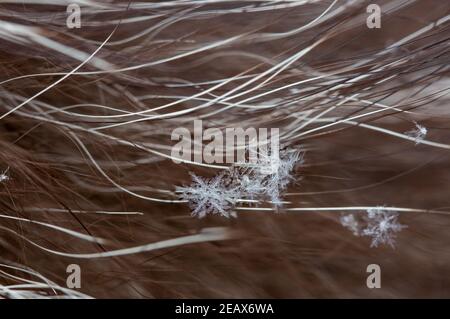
[
  {"x": 269, "y": 176},
  {"x": 382, "y": 226},
  {"x": 275, "y": 172},
  {"x": 418, "y": 133},
  {"x": 4, "y": 176},
  {"x": 378, "y": 223},
  {"x": 251, "y": 186},
  {"x": 210, "y": 196},
  {"x": 349, "y": 222}
]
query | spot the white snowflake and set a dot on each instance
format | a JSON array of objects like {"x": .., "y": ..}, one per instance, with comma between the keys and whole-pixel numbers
[
  {"x": 4, "y": 176},
  {"x": 268, "y": 177},
  {"x": 349, "y": 222},
  {"x": 378, "y": 223},
  {"x": 418, "y": 133},
  {"x": 210, "y": 196},
  {"x": 251, "y": 186},
  {"x": 275, "y": 172},
  {"x": 382, "y": 226}
]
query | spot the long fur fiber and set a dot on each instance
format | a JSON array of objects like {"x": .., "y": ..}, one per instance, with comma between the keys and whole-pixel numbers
[{"x": 87, "y": 113}]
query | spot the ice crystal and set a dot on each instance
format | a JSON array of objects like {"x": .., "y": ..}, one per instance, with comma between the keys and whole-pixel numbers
[
  {"x": 382, "y": 226},
  {"x": 418, "y": 133},
  {"x": 378, "y": 223},
  {"x": 251, "y": 187},
  {"x": 210, "y": 196},
  {"x": 266, "y": 178},
  {"x": 349, "y": 222},
  {"x": 4, "y": 176},
  {"x": 275, "y": 172}
]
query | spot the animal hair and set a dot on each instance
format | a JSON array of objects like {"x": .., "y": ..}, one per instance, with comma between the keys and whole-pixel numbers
[{"x": 88, "y": 177}]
